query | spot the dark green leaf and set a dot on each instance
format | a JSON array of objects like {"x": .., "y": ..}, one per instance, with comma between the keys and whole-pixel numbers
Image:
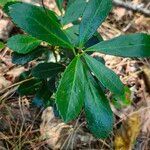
[
  {"x": 35, "y": 21},
  {"x": 98, "y": 112},
  {"x": 70, "y": 93},
  {"x": 106, "y": 76},
  {"x": 99, "y": 58},
  {"x": 60, "y": 4},
  {"x": 96, "y": 38},
  {"x": 21, "y": 59},
  {"x": 25, "y": 75},
  {"x": 69, "y": 2},
  {"x": 42, "y": 98},
  {"x": 72, "y": 34},
  {"x": 94, "y": 14},
  {"x": 29, "y": 87},
  {"x": 23, "y": 44},
  {"x": 47, "y": 70},
  {"x": 74, "y": 11},
  {"x": 132, "y": 45}
]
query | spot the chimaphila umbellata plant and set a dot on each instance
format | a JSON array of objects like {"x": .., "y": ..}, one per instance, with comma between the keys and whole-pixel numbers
[{"x": 83, "y": 79}]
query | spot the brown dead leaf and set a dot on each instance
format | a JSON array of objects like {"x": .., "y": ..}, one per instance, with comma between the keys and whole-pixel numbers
[
  {"x": 128, "y": 133},
  {"x": 136, "y": 1},
  {"x": 5, "y": 28},
  {"x": 14, "y": 73},
  {"x": 146, "y": 73},
  {"x": 120, "y": 12},
  {"x": 4, "y": 83},
  {"x": 142, "y": 23},
  {"x": 59, "y": 135}
]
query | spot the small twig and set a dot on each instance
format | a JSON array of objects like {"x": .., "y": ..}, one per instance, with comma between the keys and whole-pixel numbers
[
  {"x": 16, "y": 84},
  {"x": 133, "y": 7}
]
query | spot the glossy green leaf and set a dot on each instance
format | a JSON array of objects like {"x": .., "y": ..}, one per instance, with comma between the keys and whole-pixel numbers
[
  {"x": 99, "y": 58},
  {"x": 23, "y": 44},
  {"x": 132, "y": 45},
  {"x": 69, "y": 2},
  {"x": 94, "y": 14},
  {"x": 98, "y": 112},
  {"x": 2, "y": 45},
  {"x": 106, "y": 76},
  {"x": 60, "y": 4},
  {"x": 72, "y": 34},
  {"x": 21, "y": 59},
  {"x": 70, "y": 93},
  {"x": 74, "y": 11},
  {"x": 39, "y": 23},
  {"x": 47, "y": 70},
  {"x": 29, "y": 87}
]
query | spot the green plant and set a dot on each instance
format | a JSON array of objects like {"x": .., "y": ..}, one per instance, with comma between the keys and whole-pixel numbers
[
  {"x": 1, "y": 45},
  {"x": 85, "y": 79}
]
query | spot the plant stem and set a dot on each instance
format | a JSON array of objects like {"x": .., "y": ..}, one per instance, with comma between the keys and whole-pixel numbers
[{"x": 74, "y": 52}]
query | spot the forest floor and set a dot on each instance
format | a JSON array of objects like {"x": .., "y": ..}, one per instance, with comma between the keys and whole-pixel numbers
[{"x": 26, "y": 127}]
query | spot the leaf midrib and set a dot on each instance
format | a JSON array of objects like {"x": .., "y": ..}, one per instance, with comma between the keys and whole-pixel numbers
[
  {"x": 73, "y": 84},
  {"x": 101, "y": 65},
  {"x": 51, "y": 32},
  {"x": 26, "y": 47}
]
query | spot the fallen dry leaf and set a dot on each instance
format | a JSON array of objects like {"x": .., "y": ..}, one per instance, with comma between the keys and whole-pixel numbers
[
  {"x": 146, "y": 73},
  {"x": 5, "y": 28},
  {"x": 59, "y": 135},
  {"x": 127, "y": 134},
  {"x": 120, "y": 12}
]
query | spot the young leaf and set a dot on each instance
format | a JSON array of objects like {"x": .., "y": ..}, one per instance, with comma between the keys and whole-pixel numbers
[
  {"x": 106, "y": 76},
  {"x": 35, "y": 21},
  {"x": 70, "y": 93},
  {"x": 74, "y": 11},
  {"x": 94, "y": 14},
  {"x": 46, "y": 70},
  {"x": 1, "y": 45},
  {"x": 23, "y": 44},
  {"x": 21, "y": 59},
  {"x": 29, "y": 87},
  {"x": 132, "y": 45},
  {"x": 98, "y": 112}
]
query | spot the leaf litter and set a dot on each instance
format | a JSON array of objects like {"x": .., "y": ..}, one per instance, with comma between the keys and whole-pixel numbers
[{"x": 132, "y": 127}]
